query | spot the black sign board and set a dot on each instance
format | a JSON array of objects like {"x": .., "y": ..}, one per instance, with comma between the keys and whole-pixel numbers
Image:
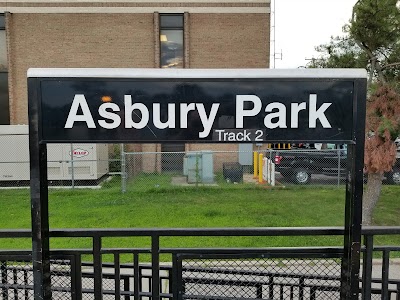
[{"x": 196, "y": 105}]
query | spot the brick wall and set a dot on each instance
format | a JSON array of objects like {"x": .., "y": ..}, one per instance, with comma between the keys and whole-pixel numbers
[
  {"x": 229, "y": 40},
  {"x": 74, "y": 40},
  {"x": 126, "y": 40},
  {"x": 131, "y": 40}
]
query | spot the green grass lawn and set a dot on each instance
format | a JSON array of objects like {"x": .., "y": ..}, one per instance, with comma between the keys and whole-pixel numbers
[{"x": 227, "y": 205}]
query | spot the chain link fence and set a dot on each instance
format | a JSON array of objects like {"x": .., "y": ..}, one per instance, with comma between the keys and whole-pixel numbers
[
  {"x": 17, "y": 278},
  {"x": 312, "y": 168},
  {"x": 261, "y": 278},
  {"x": 95, "y": 165}
]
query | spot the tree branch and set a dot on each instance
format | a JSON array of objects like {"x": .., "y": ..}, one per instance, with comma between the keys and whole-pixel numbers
[{"x": 390, "y": 65}]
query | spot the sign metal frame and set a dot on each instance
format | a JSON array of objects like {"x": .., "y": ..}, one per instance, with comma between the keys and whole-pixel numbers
[{"x": 38, "y": 153}]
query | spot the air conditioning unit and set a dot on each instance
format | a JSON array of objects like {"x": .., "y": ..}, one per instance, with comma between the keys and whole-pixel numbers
[{"x": 90, "y": 161}]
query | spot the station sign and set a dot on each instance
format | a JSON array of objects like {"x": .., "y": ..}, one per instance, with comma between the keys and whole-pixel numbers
[{"x": 234, "y": 106}]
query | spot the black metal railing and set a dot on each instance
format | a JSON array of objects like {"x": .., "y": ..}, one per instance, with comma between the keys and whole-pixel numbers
[{"x": 201, "y": 273}]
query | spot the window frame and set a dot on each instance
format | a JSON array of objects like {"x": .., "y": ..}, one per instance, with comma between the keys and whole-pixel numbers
[{"x": 6, "y": 71}]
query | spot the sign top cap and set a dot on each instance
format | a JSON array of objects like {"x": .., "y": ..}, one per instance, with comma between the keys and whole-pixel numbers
[{"x": 194, "y": 73}]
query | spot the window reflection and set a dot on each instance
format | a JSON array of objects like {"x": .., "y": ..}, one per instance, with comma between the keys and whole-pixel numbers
[
  {"x": 4, "y": 109},
  {"x": 171, "y": 41},
  {"x": 171, "y": 48},
  {"x": 3, "y": 45}
]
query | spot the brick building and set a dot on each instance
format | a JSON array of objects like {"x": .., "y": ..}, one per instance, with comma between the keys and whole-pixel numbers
[{"x": 127, "y": 34}]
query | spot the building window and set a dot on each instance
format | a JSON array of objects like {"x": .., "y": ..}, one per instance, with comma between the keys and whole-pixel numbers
[
  {"x": 171, "y": 40},
  {"x": 4, "y": 106}
]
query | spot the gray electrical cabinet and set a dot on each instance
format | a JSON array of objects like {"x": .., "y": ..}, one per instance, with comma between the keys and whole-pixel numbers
[
  {"x": 198, "y": 166},
  {"x": 246, "y": 154},
  {"x": 90, "y": 161}
]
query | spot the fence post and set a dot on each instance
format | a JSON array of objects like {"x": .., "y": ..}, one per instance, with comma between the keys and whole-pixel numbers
[
  {"x": 123, "y": 168},
  {"x": 338, "y": 176},
  {"x": 72, "y": 167},
  {"x": 255, "y": 164}
]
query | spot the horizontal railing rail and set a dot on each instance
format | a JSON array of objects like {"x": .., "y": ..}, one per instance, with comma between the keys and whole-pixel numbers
[{"x": 72, "y": 277}]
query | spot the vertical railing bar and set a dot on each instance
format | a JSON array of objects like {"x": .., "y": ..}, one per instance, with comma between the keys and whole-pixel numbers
[
  {"x": 179, "y": 285},
  {"x": 97, "y": 265},
  {"x": 126, "y": 287},
  {"x": 398, "y": 291},
  {"x": 173, "y": 277},
  {"x": 385, "y": 274},
  {"x": 73, "y": 279},
  {"x": 301, "y": 288},
  {"x": 155, "y": 266},
  {"x": 76, "y": 277},
  {"x": 291, "y": 292},
  {"x": 15, "y": 280},
  {"x": 271, "y": 287},
  {"x": 313, "y": 291},
  {"x": 259, "y": 291},
  {"x": 3, "y": 268},
  {"x": 367, "y": 266},
  {"x": 150, "y": 283},
  {"x": 117, "y": 276},
  {"x": 26, "y": 285},
  {"x": 136, "y": 277},
  {"x": 281, "y": 292},
  {"x": 170, "y": 274}
]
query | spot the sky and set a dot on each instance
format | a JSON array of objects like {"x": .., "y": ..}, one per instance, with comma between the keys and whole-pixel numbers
[{"x": 301, "y": 25}]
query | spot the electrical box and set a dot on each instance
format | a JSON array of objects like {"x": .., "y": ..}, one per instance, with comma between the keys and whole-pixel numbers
[
  {"x": 199, "y": 166},
  {"x": 90, "y": 161}
]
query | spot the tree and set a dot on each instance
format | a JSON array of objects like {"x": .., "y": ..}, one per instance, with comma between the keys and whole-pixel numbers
[{"x": 372, "y": 42}]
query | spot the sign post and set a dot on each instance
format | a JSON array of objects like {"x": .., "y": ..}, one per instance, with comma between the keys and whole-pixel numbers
[{"x": 200, "y": 106}]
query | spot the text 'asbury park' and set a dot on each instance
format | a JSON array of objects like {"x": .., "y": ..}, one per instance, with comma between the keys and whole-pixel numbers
[{"x": 277, "y": 115}]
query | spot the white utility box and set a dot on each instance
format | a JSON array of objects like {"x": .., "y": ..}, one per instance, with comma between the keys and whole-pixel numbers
[{"x": 90, "y": 161}]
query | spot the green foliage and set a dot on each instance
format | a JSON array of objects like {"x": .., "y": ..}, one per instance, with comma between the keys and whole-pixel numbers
[
  {"x": 376, "y": 28},
  {"x": 372, "y": 41},
  {"x": 387, "y": 126},
  {"x": 376, "y": 24},
  {"x": 340, "y": 52}
]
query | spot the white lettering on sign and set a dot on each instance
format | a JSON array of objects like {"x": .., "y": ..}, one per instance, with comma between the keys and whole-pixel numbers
[
  {"x": 276, "y": 117},
  {"x": 138, "y": 115}
]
